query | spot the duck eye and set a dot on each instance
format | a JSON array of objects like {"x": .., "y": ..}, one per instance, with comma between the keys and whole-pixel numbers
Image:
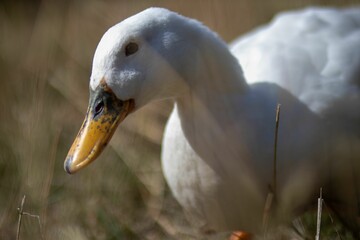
[
  {"x": 98, "y": 108},
  {"x": 131, "y": 48}
]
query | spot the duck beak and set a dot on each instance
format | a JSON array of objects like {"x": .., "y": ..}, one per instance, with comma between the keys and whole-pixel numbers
[{"x": 104, "y": 114}]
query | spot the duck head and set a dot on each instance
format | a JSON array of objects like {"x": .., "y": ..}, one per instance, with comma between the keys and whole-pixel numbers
[{"x": 137, "y": 61}]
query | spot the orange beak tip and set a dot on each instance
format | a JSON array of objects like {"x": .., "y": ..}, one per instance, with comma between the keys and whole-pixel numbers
[{"x": 67, "y": 165}]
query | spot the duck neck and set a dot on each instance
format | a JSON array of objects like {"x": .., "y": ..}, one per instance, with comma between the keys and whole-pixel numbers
[
  {"x": 211, "y": 102},
  {"x": 216, "y": 75}
]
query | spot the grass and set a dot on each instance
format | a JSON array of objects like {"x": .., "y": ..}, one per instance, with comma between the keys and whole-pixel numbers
[{"x": 46, "y": 49}]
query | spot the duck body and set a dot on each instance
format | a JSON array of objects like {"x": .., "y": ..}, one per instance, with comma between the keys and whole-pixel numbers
[
  {"x": 218, "y": 144},
  {"x": 218, "y": 151},
  {"x": 225, "y": 185}
]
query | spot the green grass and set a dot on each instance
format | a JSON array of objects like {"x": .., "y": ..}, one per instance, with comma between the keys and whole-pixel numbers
[{"x": 46, "y": 50}]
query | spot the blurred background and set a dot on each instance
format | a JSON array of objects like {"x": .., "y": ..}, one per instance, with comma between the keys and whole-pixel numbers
[{"x": 46, "y": 50}]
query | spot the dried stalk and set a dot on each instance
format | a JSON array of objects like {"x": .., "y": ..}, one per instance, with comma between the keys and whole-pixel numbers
[
  {"x": 271, "y": 197},
  {"x": 22, "y": 213},
  {"x": 20, "y": 210},
  {"x": 277, "y": 120},
  {"x": 319, "y": 211}
]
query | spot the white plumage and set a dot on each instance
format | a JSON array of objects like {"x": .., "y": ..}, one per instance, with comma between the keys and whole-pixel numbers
[
  {"x": 217, "y": 151},
  {"x": 313, "y": 53}
]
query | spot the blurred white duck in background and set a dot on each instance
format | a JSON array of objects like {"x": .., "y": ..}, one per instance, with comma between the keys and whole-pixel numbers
[{"x": 218, "y": 145}]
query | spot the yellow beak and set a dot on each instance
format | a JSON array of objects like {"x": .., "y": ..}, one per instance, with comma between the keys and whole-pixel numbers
[{"x": 104, "y": 114}]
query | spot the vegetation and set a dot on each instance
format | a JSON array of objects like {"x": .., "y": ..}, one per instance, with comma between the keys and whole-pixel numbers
[{"x": 46, "y": 49}]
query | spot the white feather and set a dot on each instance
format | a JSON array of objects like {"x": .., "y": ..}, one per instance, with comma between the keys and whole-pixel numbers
[{"x": 217, "y": 151}]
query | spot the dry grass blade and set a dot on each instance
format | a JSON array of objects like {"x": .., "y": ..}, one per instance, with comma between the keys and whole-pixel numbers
[
  {"x": 22, "y": 213},
  {"x": 277, "y": 120},
  {"x": 20, "y": 209},
  {"x": 271, "y": 197},
  {"x": 318, "y": 220}
]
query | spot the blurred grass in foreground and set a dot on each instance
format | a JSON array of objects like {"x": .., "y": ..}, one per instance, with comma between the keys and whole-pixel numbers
[{"x": 46, "y": 49}]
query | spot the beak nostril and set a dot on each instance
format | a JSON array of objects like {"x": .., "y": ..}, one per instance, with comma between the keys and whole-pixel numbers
[{"x": 98, "y": 108}]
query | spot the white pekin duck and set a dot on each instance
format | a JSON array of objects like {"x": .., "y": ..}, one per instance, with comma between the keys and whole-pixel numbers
[{"x": 218, "y": 145}]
